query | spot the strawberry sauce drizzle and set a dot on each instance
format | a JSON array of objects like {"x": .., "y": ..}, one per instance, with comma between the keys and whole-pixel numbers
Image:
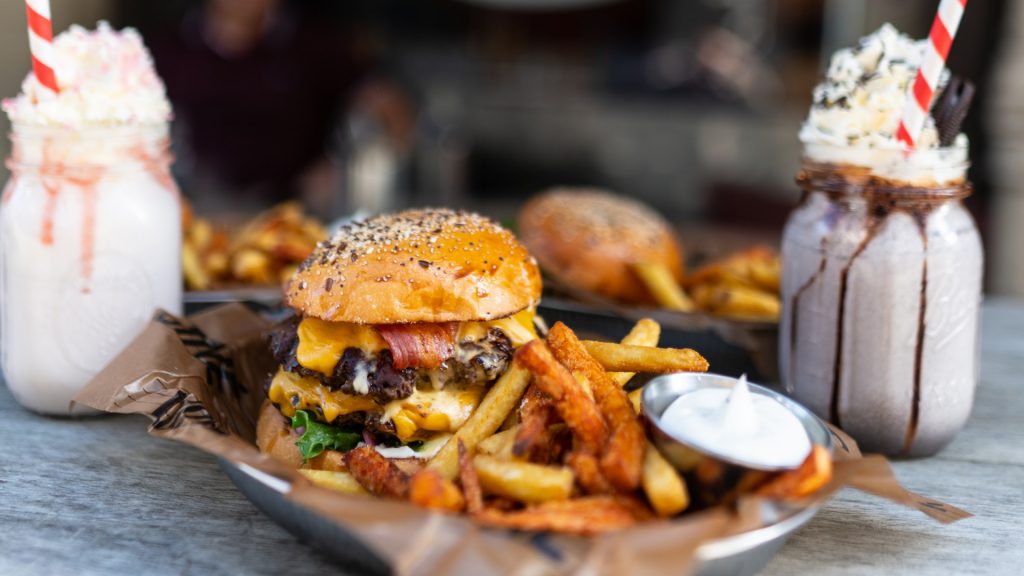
[{"x": 49, "y": 211}]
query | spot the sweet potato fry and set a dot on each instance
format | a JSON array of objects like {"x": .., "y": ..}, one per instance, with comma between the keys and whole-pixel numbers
[
  {"x": 428, "y": 489},
  {"x": 588, "y": 473},
  {"x": 534, "y": 399},
  {"x": 622, "y": 456},
  {"x": 624, "y": 358},
  {"x": 533, "y": 436},
  {"x": 497, "y": 404},
  {"x": 585, "y": 516},
  {"x": 815, "y": 472},
  {"x": 645, "y": 332},
  {"x": 580, "y": 413},
  {"x": 470, "y": 482},
  {"x": 377, "y": 474}
]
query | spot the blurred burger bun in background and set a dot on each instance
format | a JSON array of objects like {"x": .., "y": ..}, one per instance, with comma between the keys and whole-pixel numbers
[{"x": 590, "y": 239}]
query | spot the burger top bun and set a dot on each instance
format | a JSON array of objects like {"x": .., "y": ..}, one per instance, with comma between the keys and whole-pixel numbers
[
  {"x": 426, "y": 265},
  {"x": 588, "y": 238}
]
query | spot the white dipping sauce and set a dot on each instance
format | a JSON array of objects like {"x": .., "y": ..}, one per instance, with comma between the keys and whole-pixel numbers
[{"x": 749, "y": 428}]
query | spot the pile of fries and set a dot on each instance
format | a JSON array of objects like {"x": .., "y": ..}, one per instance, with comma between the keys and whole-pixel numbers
[
  {"x": 744, "y": 285},
  {"x": 557, "y": 445},
  {"x": 264, "y": 252}
]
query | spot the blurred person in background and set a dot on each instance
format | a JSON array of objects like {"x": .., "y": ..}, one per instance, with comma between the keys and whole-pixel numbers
[{"x": 259, "y": 91}]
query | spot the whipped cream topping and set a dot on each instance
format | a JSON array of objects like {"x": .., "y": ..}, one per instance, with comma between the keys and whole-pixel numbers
[
  {"x": 752, "y": 429},
  {"x": 857, "y": 109},
  {"x": 106, "y": 78}
]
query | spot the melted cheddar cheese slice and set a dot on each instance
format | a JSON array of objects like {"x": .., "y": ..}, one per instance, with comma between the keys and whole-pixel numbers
[
  {"x": 432, "y": 410},
  {"x": 426, "y": 412},
  {"x": 321, "y": 343},
  {"x": 292, "y": 392}
]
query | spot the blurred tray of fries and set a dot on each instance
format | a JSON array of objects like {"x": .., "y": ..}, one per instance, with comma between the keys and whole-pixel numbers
[
  {"x": 727, "y": 307},
  {"x": 262, "y": 252}
]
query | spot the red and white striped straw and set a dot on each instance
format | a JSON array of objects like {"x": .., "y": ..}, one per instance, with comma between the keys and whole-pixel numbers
[
  {"x": 40, "y": 42},
  {"x": 919, "y": 96}
]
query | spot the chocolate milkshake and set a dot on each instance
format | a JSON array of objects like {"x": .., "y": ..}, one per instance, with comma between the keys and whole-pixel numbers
[{"x": 881, "y": 262}]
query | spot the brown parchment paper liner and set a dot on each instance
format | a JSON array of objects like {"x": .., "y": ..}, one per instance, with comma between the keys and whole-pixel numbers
[{"x": 200, "y": 381}]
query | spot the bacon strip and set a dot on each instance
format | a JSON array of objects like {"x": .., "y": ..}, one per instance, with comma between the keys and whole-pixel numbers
[{"x": 420, "y": 345}]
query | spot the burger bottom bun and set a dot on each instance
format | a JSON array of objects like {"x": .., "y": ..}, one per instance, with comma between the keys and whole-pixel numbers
[{"x": 276, "y": 438}]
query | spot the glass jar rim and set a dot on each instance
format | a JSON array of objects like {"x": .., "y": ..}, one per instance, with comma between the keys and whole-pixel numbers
[
  {"x": 845, "y": 179},
  {"x": 123, "y": 148},
  {"x": 20, "y": 130}
]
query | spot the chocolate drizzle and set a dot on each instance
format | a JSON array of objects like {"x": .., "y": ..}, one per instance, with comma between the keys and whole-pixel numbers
[
  {"x": 882, "y": 199},
  {"x": 915, "y": 402},
  {"x": 876, "y": 221},
  {"x": 795, "y": 310}
]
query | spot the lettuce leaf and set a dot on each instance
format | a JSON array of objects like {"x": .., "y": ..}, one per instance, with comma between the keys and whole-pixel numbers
[{"x": 318, "y": 436}]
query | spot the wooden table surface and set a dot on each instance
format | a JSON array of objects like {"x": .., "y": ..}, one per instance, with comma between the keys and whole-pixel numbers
[{"x": 100, "y": 496}]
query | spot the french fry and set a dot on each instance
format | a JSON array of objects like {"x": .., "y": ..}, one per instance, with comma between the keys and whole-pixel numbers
[
  {"x": 584, "y": 516},
  {"x": 662, "y": 485},
  {"x": 196, "y": 277},
  {"x": 738, "y": 269},
  {"x": 623, "y": 358},
  {"x": 428, "y": 489},
  {"x": 251, "y": 265},
  {"x": 496, "y": 405},
  {"x": 767, "y": 274},
  {"x": 378, "y": 475},
  {"x": 663, "y": 286},
  {"x": 645, "y": 332},
  {"x": 333, "y": 480},
  {"x": 523, "y": 481},
  {"x": 470, "y": 482},
  {"x": 332, "y": 460},
  {"x": 815, "y": 472},
  {"x": 500, "y": 444},
  {"x": 738, "y": 302},
  {"x": 580, "y": 413},
  {"x": 621, "y": 459}
]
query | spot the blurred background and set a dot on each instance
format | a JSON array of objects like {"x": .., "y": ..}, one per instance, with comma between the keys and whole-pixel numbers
[{"x": 692, "y": 107}]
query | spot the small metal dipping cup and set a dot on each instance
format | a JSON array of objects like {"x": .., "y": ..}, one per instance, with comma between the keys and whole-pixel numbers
[{"x": 712, "y": 473}]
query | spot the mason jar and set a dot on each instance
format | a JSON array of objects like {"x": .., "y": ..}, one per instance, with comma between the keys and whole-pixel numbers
[
  {"x": 881, "y": 288},
  {"x": 90, "y": 245}
]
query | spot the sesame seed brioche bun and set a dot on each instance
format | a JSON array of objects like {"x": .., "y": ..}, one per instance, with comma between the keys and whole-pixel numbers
[
  {"x": 424, "y": 265},
  {"x": 588, "y": 238}
]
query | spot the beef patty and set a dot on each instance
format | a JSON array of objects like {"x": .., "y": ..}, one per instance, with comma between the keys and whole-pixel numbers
[{"x": 474, "y": 362}]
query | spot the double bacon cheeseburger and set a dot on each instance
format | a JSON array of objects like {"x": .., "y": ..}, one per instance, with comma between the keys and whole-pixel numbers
[{"x": 401, "y": 323}]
